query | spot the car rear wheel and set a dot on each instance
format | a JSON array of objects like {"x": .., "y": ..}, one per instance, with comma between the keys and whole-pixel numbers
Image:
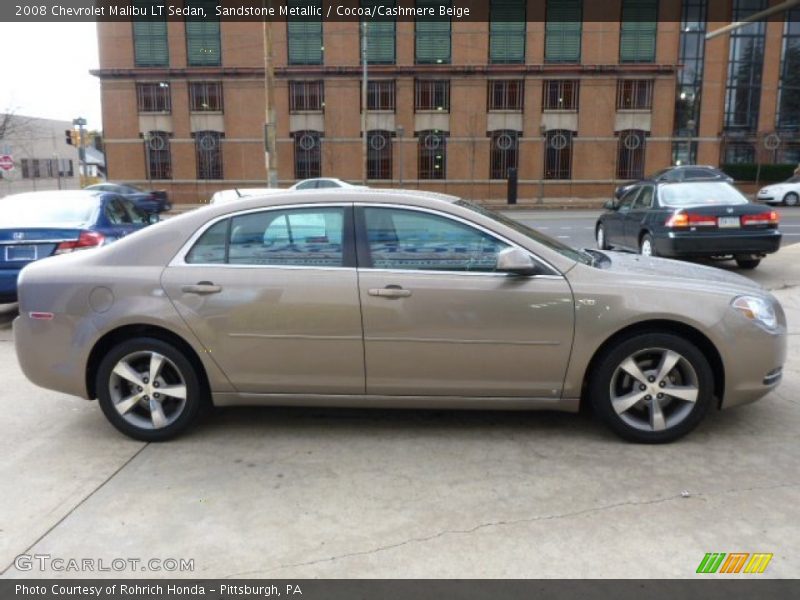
[
  {"x": 791, "y": 199},
  {"x": 148, "y": 389},
  {"x": 646, "y": 246},
  {"x": 601, "y": 238},
  {"x": 747, "y": 262},
  {"x": 652, "y": 388}
]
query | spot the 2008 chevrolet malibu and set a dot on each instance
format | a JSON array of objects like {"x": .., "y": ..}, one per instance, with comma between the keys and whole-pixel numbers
[{"x": 390, "y": 299}]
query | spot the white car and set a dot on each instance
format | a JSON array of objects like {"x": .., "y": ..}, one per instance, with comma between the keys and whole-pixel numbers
[
  {"x": 787, "y": 192},
  {"x": 319, "y": 183},
  {"x": 236, "y": 193}
]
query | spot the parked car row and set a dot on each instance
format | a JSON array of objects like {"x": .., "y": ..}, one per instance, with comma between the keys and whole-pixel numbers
[{"x": 317, "y": 183}]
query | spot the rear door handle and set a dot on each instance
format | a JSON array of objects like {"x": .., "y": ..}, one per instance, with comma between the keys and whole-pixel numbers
[
  {"x": 202, "y": 287},
  {"x": 390, "y": 292}
]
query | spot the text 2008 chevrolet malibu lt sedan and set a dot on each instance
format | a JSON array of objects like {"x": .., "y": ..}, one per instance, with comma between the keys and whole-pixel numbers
[{"x": 390, "y": 299}]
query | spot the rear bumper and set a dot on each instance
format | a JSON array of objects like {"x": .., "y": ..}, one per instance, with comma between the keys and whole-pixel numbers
[
  {"x": 714, "y": 244},
  {"x": 8, "y": 285}
]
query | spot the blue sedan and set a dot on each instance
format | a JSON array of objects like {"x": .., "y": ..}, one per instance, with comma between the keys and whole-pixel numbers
[{"x": 40, "y": 224}]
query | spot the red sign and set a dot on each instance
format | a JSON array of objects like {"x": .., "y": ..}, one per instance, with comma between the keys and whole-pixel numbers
[{"x": 6, "y": 162}]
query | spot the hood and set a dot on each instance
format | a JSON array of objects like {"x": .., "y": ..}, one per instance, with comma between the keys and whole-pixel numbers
[{"x": 677, "y": 273}]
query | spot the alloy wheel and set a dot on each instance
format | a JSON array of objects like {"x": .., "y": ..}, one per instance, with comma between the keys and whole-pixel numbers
[
  {"x": 148, "y": 390},
  {"x": 647, "y": 247},
  {"x": 654, "y": 389}
]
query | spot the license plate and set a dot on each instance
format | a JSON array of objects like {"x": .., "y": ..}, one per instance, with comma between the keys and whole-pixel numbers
[
  {"x": 14, "y": 253},
  {"x": 728, "y": 222}
]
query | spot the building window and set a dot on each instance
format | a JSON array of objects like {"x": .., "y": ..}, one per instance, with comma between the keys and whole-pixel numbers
[
  {"x": 743, "y": 89},
  {"x": 380, "y": 95},
  {"x": 684, "y": 153},
  {"x": 208, "y": 148},
  {"x": 634, "y": 94},
  {"x": 432, "y": 154},
  {"x": 789, "y": 154},
  {"x": 46, "y": 168},
  {"x": 506, "y": 94},
  {"x": 560, "y": 94},
  {"x": 739, "y": 153},
  {"x": 432, "y": 36},
  {"x": 638, "y": 31},
  {"x": 432, "y": 94},
  {"x": 563, "y": 28},
  {"x": 159, "y": 161},
  {"x": 307, "y": 154},
  {"x": 153, "y": 97},
  {"x": 630, "y": 154},
  {"x": 381, "y": 35},
  {"x": 150, "y": 45},
  {"x": 558, "y": 157},
  {"x": 504, "y": 153},
  {"x": 379, "y": 155},
  {"x": 304, "y": 35},
  {"x": 205, "y": 96},
  {"x": 507, "y": 31},
  {"x": 306, "y": 96},
  {"x": 203, "y": 46},
  {"x": 789, "y": 84},
  {"x": 690, "y": 77}
]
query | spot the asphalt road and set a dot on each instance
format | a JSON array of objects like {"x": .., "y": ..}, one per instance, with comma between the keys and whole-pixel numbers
[{"x": 576, "y": 227}]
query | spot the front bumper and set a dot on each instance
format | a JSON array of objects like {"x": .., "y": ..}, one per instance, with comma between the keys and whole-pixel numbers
[{"x": 690, "y": 243}]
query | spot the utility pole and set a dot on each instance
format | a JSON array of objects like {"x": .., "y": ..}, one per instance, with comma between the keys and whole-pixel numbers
[
  {"x": 270, "y": 146},
  {"x": 364, "y": 101},
  {"x": 81, "y": 123}
]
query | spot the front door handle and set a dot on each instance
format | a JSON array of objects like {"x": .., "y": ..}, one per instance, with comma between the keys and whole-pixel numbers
[
  {"x": 202, "y": 287},
  {"x": 390, "y": 291}
]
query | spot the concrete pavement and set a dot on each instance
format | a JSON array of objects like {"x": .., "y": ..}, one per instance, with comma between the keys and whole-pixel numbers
[{"x": 346, "y": 493}]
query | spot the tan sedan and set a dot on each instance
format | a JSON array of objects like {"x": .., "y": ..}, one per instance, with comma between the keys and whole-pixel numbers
[{"x": 390, "y": 299}]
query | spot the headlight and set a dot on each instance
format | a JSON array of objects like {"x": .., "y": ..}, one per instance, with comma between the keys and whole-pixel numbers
[{"x": 756, "y": 309}]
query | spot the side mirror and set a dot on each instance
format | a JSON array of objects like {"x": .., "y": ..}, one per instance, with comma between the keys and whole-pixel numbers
[
  {"x": 153, "y": 218},
  {"x": 516, "y": 261},
  {"x": 610, "y": 205}
]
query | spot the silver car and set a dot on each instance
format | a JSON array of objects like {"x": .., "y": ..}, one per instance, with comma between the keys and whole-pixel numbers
[{"x": 390, "y": 299}]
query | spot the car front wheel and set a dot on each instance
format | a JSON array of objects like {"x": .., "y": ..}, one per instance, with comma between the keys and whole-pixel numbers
[
  {"x": 652, "y": 388},
  {"x": 148, "y": 389},
  {"x": 791, "y": 199},
  {"x": 601, "y": 238}
]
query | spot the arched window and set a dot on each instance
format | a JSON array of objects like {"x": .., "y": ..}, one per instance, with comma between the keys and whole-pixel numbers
[
  {"x": 504, "y": 153},
  {"x": 157, "y": 152},
  {"x": 630, "y": 154},
  {"x": 558, "y": 154},
  {"x": 307, "y": 154},
  {"x": 379, "y": 154},
  {"x": 208, "y": 149},
  {"x": 432, "y": 153}
]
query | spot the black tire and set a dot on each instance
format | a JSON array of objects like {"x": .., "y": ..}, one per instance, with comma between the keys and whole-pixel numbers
[
  {"x": 600, "y": 237},
  {"x": 647, "y": 239},
  {"x": 747, "y": 263},
  {"x": 686, "y": 415},
  {"x": 791, "y": 199},
  {"x": 177, "y": 372}
]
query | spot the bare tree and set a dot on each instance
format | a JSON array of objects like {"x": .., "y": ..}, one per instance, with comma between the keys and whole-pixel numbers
[{"x": 13, "y": 125}]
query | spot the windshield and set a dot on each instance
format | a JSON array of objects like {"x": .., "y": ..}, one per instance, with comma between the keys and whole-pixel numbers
[
  {"x": 536, "y": 236},
  {"x": 795, "y": 179},
  {"x": 58, "y": 211},
  {"x": 699, "y": 194},
  {"x": 131, "y": 188}
]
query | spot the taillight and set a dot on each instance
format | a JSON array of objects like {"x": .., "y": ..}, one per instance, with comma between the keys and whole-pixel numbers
[
  {"x": 767, "y": 218},
  {"x": 691, "y": 220},
  {"x": 87, "y": 239}
]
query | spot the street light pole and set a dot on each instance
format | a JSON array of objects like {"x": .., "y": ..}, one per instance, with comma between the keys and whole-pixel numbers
[
  {"x": 364, "y": 101},
  {"x": 81, "y": 123},
  {"x": 270, "y": 146}
]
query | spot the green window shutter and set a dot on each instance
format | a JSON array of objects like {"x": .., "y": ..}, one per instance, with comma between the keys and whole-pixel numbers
[
  {"x": 380, "y": 36},
  {"x": 304, "y": 36},
  {"x": 203, "y": 45},
  {"x": 432, "y": 36},
  {"x": 563, "y": 31},
  {"x": 507, "y": 31},
  {"x": 150, "y": 45},
  {"x": 638, "y": 31}
]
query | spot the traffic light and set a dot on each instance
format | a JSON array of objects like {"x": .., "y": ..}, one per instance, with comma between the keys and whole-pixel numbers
[{"x": 68, "y": 134}]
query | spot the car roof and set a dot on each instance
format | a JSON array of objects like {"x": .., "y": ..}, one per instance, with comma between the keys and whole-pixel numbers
[{"x": 290, "y": 197}]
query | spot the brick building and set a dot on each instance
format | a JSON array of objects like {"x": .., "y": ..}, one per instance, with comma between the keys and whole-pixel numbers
[{"x": 573, "y": 101}]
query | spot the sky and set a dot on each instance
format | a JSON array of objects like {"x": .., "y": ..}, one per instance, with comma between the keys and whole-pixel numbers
[{"x": 46, "y": 71}]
